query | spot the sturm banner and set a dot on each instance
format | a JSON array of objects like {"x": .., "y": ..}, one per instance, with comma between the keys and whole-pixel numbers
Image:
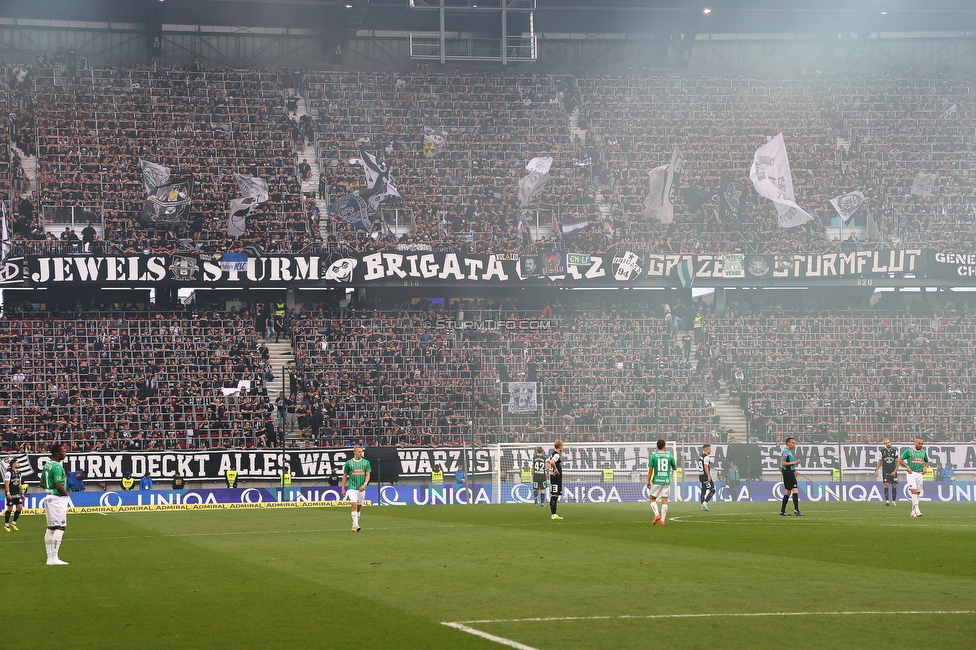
[{"x": 262, "y": 465}]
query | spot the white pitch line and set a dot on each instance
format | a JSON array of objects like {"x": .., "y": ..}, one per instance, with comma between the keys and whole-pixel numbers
[
  {"x": 491, "y": 637},
  {"x": 710, "y": 615}
]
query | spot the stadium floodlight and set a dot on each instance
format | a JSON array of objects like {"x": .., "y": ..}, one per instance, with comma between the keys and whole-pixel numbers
[{"x": 706, "y": 11}]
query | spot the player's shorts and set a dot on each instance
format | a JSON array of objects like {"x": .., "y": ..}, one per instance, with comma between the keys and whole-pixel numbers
[
  {"x": 14, "y": 500},
  {"x": 888, "y": 478},
  {"x": 707, "y": 485},
  {"x": 660, "y": 491},
  {"x": 356, "y": 496},
  {"x": 555, "y": 489},
  {"x": 914, "y": 481},
  {"x": 539, "y": 482},
  {"x": 789, "y": 481},
  {"x": 56, "y": 511}
]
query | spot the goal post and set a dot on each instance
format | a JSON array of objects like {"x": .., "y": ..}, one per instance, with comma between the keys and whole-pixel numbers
[{"x": 584, "y": 478}]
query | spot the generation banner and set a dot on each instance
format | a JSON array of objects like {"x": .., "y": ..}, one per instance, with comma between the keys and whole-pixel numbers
[
  {"x": 415, "y": 462},
  {"x": 396, "y": 268}
]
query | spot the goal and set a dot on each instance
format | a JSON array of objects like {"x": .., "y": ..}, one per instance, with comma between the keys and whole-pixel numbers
[{"x": 583, "y": 464}]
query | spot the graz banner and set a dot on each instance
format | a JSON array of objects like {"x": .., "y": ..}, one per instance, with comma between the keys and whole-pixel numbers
[
  {"x": 417, "y": 268},
  {"x": 264, "y": 464}
]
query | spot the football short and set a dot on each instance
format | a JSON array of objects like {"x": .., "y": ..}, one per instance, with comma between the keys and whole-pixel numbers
[
  {"x": 789, "y": 480},
  {"x": 555, "y": 489},
  {"x": 14, "y": 500},
  {"x": 660, "y": 491},
  {"x": 888, "y": 478},
  {"x": 914, "y": 481},
  {"x": 539, "y": 482},
  {"x": 356, "y": 496},
  {"x": 56, "y": 511}
]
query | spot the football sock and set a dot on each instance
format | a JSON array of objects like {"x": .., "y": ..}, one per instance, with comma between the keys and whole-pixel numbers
[
  {"x": 56, "y": 536},
  {"x": 552, "y": 504},
  {"x": 796, "y": 501},
  {"x": 786, "y": 499},
  {"x": 355, "y": 518},
  {"x": 664, "y": 511},
  {"x": 6, "y": 517},
  {"x": 886, "y": 493},
  {"x": 915, "y": 502},
  {"x": 657, "y": 512},
  {"x": 49, "y": 542},
  {"x": 16, "y": 515}
]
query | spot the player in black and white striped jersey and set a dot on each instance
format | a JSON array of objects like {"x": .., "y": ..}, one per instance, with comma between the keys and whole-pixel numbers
[{"x": 705, "y": 476}]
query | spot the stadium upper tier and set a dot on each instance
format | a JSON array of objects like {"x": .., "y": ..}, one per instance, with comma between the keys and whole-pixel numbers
[
  {"x": 843, "y": 133},
  {"x": 115, "y": 381}
]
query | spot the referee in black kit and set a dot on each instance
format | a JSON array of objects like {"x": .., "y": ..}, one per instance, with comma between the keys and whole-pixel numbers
[{"x": 788, "y": 463}]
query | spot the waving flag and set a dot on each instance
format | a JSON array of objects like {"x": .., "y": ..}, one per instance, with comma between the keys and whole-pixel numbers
[
  {"x": 847, "y": 204},
  {"x": 252, "y": 186},
  {"x": 772, "y": 178},
  {"x": 153, "y": 175},
  {"x": 378, "y": 183},
  {"x": 434, "y": 141}
]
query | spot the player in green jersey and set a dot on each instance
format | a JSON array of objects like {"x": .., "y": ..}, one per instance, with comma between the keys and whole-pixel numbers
[
  {"x": 355, "y": 473},
  {"x": 53, "y": 480},
  {"x": 659, "y": 467},
  {"x": 915, "y": 460}
]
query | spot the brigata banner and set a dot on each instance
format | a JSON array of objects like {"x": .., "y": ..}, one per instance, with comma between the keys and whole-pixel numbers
[
  {"x": 415, "y": 462},
  {"x": 417, "y": 268}
]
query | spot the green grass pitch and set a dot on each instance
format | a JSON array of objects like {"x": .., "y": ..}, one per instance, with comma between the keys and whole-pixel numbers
[{"x": 301, "y": 578}]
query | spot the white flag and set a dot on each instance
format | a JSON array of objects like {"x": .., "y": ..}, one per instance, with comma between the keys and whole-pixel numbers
[
  {"x": 252, "y": 186},
  {"x": 377, "y": 181},
  {"x": 153, "y": 175},
  {"x": 237, "y": 214},
  {"x": 434, "y": 141},
  {"x": 530, "y": 186},
  {"x": 6, "y": 243},
  {"x": 655, "y": 190},
  {"x": 771, "y": 176},
  {"x": 523, "y": 397},
  {"x": 540, "y": 165},
  {"x": 923, "y": 184},
  {"x": 847, "y": 204},
  {"x": 671, "y": 182}
]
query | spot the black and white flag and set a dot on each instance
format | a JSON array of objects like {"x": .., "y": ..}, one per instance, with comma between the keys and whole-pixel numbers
[
  {"x": 923, "y": 184},
  {"x": 239, "y": 212},
  {"x": 169, "y": 204},
  {"x": 252, "y": 186},
  {"x": 950, "y": 112},
  {"x": 7, "y": 243},
  {"x": 378, "y": 183},
  {"x": 772, "y": 178},
  {"x": 153, "y": 175},
  {"x": 847, "y": 204},
  {"x": 434, "y": 141},
  {"x": 523, "y": 397},
  {"x": 530, "y": 185},
  {"x": 731, "y": 200},
  {"x": 663, "y": 188}
]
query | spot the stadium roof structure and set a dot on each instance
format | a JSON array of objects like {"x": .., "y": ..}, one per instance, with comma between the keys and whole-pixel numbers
[{"x": 552, "y": 16}]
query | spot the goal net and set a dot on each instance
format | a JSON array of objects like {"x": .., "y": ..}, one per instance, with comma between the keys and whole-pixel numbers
[{"x": 584, "y": 477}]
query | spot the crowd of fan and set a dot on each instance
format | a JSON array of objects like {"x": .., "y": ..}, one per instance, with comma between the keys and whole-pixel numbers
[
  {"x": 495, "y": 123},
  {"x": 90, "y": 130},
  {"x": 126, "y": 381},
  {"x": 93, "y": 129}
]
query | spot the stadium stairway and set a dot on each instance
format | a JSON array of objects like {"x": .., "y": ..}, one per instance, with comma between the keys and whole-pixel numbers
[
  {"x": 577, "y": 132},
  {"x": 281, "y": 355},
  {"x": 29, "y": 163},
  {"x": 311, "y": 186},
  {"x": 732, "y": 417}
]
